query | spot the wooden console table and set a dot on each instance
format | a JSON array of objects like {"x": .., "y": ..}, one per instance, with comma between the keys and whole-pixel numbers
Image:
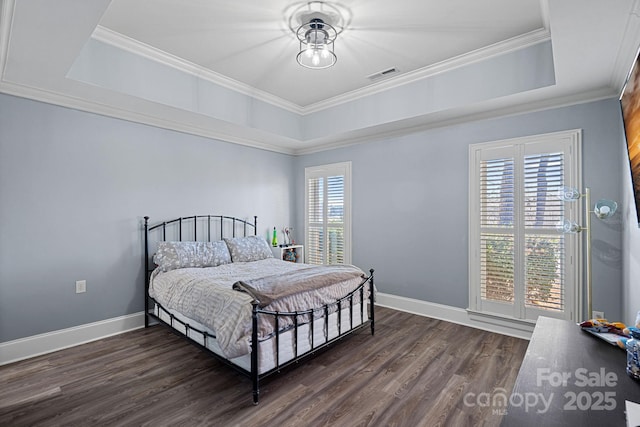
[{"x": 570, "y": 378}]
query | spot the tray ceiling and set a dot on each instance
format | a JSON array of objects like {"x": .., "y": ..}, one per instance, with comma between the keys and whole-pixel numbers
[{"x": 247, "y": 48}]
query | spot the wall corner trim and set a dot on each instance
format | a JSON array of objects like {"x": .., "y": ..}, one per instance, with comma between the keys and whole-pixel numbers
[
  {"x": 36, "y": 345},
  {"x": 447, "y": 313}
]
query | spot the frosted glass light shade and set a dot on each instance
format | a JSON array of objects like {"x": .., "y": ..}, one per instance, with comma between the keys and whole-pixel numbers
[
  {"x": 568, "y": 194},
  {"x": 605, "y": 208},
  {"x": 316, "y": 57},
  {"x": 568, "y": 226}
]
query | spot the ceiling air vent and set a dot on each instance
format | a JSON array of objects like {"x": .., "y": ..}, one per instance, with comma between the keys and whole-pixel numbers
[{"x": 383, "y": 73}]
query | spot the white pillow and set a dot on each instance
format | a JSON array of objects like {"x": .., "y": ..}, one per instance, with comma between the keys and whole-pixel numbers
[
  {"x": 173, "y": 255},
  {"x": 250, "y": 248}
]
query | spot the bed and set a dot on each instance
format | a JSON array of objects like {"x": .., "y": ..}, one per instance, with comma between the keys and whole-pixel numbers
[{"x": 215, "y": 282}]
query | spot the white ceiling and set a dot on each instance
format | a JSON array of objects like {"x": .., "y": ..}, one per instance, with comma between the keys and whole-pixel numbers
[{"x": 247, "y": 46}]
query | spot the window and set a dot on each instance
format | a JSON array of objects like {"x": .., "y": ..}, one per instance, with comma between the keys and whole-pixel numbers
[
  {"x": 520, "y": 265},
  {"x": 328, "y": 214}
]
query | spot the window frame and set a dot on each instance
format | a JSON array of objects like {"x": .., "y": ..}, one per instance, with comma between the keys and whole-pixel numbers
[
  {"x": 570, "y": 142},
  {"x": 325, "y": 171}
]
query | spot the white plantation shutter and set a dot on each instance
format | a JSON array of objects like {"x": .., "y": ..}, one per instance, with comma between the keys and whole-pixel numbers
[
  {"x": 497, "y": 235},
  {"x": 520, "y": 265},
  {"x": 335, "y": 220},
  {"x": 327, "y": 216},
  {"x": 315, "y": 221},
  {"x": 544, "y": 251}
]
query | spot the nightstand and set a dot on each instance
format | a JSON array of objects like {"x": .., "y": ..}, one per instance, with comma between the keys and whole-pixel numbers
[{"x": 293, "y": 253}]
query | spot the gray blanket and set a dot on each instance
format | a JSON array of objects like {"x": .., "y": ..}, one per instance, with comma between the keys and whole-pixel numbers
[{"x": 265, "y": 290}]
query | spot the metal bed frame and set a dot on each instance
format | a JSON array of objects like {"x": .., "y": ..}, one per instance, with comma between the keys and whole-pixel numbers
[{"x": 232, "y": 225}]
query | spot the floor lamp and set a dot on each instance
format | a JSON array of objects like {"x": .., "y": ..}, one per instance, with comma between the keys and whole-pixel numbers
[{"x": 603, "y": 209}]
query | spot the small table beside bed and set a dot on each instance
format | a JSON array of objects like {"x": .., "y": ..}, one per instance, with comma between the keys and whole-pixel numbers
[{"x": 212, "y": 280}]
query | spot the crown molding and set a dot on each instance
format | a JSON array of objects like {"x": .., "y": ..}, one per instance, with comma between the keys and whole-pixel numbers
[
  {"x": 483, "y": 113},
  {"x": 628, "y": 50},
  {"x": 6, "y": 19},
  {"x": 478, "y": 55},
  {"x": 429, "y": 121},
  {"x": 76, "y": 103},
  {"x": 128, "y": 44},
  {"x": 113, "y": 38}
]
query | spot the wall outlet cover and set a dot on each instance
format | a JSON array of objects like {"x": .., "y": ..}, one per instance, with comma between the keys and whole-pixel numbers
[{"x": 81, "y": 286}]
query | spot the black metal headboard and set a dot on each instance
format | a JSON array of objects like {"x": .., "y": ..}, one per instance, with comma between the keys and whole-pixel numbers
[{"x": 205, "y": 228}]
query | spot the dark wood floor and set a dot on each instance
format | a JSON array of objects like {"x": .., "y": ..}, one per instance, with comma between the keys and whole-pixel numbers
[{"x": 415, "y": 371}]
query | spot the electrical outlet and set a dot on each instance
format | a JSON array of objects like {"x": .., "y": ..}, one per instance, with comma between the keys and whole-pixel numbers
[
  {"x": 597, "y": 314},
  {"x": 81, "y": 286}
]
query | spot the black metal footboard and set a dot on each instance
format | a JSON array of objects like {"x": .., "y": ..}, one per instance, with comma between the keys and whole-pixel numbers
[{"x": 311, "y": 317}]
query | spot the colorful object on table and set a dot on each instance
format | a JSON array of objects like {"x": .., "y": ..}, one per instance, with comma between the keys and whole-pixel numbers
[
  {"x": 622, "y": 342},
  {"x": 274, "y": 241},
  {"x": 632, "y": 346},
  {"x": 290, "y": 255},
  {"x": 602, "y": 325}
]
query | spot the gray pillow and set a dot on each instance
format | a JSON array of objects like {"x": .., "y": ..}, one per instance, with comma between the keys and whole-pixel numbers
[
  {"x": 173, "y": 255},
  {"x": 250, "y": 248}
]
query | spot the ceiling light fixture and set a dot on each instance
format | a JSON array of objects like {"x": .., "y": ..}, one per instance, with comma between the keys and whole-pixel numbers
[
  {"x": 316, "y": 25},
  {"x": 316, "y": 44}
]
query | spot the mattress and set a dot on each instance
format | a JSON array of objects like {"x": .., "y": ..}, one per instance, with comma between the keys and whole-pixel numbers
[{"x": 289, "y": 345}]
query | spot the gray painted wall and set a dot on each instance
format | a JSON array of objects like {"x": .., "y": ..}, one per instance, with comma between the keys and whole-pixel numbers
[
  {"x": 410, "y": 201},
  {"x": 74, "y": 187}
]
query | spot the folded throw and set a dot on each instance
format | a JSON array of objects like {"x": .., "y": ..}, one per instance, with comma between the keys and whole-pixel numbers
[{"x": 268, "y": 289}]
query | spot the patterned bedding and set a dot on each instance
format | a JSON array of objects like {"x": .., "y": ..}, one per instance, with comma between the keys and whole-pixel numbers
[{"x": 206, "y": 295}]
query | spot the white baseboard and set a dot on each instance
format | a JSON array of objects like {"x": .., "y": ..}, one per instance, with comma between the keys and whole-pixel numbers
[
  {"x": 451, "y": 314},
  {"x": 24, "y": 348}
]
